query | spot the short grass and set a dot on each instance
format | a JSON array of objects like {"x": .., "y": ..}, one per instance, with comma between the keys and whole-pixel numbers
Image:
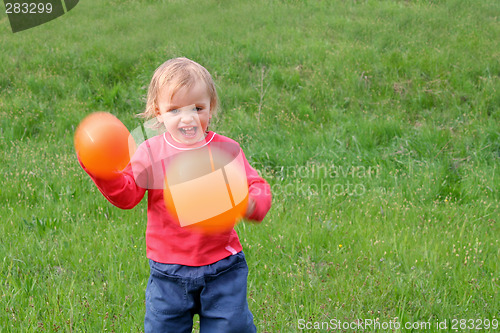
[{"x": 375, "y": 122}]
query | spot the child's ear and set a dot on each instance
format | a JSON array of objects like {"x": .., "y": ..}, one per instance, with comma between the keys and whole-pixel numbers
[{"x": 158, "y": 115}]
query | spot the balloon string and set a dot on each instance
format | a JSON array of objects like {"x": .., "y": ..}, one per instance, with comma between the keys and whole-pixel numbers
[{"x": 211, "y": 158}]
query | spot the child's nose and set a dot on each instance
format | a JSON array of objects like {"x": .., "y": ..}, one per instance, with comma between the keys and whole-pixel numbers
[{"x": 187, "y": 117}]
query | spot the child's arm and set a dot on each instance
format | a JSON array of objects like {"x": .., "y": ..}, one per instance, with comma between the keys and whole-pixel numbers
[
  {"x": 121, "y": 191},
  {"x": 129, "y": 186},
  {"x": 259, "y": 194}
]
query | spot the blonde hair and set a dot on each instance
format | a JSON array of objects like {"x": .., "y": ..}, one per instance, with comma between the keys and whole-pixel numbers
[{"x": 175, "y": 74}]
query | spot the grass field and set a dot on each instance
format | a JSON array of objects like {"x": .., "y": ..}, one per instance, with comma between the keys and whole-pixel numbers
[{"x": 375, "y": 122}]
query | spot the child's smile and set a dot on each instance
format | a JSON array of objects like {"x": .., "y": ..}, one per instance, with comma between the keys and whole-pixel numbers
[
  {"x": 187, "y": 114},
  {"x": 188, "y": 132}
]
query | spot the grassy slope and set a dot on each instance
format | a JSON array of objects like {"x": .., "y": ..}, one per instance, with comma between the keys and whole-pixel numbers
[{"x": 376, "y": 122}]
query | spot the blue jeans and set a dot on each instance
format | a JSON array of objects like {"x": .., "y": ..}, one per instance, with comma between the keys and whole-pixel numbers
[{"x": 216, "y": 292}]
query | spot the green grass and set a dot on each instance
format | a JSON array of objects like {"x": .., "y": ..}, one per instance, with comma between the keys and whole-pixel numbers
[{"x": 375, "y": 122}]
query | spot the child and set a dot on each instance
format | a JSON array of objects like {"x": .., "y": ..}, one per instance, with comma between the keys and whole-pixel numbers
[{"x": 191, "y": 272}]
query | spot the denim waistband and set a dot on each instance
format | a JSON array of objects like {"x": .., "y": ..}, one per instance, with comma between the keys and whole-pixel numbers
[{"x": 195, "y": 272}]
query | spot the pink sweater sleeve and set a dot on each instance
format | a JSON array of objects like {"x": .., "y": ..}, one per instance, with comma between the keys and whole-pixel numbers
[
  {"x": 122, "y": 192},
  {"x": 260, "y": 191}
]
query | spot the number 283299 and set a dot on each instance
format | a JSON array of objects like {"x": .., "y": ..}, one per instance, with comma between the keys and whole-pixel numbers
[{"x": 28, "y": 8}]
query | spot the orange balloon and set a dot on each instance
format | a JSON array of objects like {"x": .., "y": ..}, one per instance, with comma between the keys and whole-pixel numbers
[
  {"x": 206, "y": 189},
  {"x": 102, "y": 144}
]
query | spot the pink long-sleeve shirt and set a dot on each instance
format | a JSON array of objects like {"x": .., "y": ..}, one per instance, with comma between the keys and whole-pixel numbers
[{"x": 166, "y": 241}]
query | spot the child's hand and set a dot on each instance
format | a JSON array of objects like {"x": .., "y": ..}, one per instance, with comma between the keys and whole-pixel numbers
[{"x": 250, "y": 207}]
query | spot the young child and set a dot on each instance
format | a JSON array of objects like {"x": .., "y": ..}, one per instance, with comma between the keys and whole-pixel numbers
[{"x": 191, "y": 272}]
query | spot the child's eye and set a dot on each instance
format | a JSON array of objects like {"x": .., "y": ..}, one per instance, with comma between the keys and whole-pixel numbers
[
  {"x": 198, "y": 108},
  {"x": 174, "y": 111}
]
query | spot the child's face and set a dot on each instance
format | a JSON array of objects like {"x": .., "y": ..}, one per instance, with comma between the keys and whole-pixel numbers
[{"x": 186, "y": 115}]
